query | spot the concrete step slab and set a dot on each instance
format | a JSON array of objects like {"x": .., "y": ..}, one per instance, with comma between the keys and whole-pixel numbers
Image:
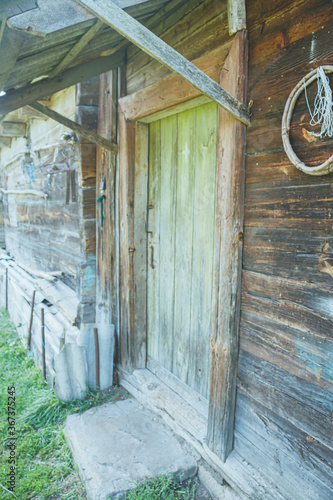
[{"x": 119, "y": 444}]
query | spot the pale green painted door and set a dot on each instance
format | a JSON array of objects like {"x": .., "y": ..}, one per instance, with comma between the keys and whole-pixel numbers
[{"x": 182, "y": 185}]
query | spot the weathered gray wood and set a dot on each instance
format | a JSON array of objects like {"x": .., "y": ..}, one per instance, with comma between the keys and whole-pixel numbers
[
  {"x": 27, "y": 113},
  {"x": 192, "y": 397},
  {"x": 191, "y": 426},
  {"x": 126, "y": 160},
  {"x": 5, "y": 142},
  {"x": 91, "y": 136},
  {"x": 54, "y": 15},
  {"x": 25, "y": 192},
  {"x": 13, "y": 129},
  {"x": 228, "y": 257},
  {"x": 139, "y": 257},
  {"x": 74, "y": 52},
  {"x": 15, "y": 99},
  {"x": 11, "y": 42},
  {"x": 155, "y": 47},
  {"x": 182, "y": 174},
  {"x": 204, "y": 201},
  {"x": 236, "y": 15}
]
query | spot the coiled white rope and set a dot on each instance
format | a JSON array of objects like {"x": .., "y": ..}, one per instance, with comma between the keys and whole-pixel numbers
[{"x": 322, "y": 115}]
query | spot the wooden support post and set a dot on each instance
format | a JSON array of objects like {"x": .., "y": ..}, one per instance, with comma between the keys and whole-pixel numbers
[
  {"x": 91, "y": 136},
  {"x": 236, "y": 16},
  {"x": 228, "y": 256},
  {"x": 98, "y": 383},
  {"x": 43, "y": 342},
  {"x": 162, "y": 52},
  {"x": 31, "y": 318}
]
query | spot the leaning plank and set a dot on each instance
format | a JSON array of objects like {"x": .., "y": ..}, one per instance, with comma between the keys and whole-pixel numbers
[
  {"x": 91, "y": 136},
  {"x": 84, "y": 40},
  {"x": 236, "y": 15},
  {"x": 15, "y": 99},
  {"x": 155, "y": 47},
  {"x": 11, "y": 42},
  {"x": 228, "y": 257}
]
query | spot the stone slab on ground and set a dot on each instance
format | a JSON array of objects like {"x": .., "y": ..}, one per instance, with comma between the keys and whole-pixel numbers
[{"x": 117, "y": 444}]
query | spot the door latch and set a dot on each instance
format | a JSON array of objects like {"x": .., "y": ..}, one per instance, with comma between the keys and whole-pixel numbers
[{"x": 149, "y": 207}]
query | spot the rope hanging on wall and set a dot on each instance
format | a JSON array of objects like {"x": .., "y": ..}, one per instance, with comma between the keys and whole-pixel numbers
[{"x": 321, "y": 115}]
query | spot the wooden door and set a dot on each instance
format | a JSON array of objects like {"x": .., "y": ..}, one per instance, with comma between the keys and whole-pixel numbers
[{"x": 181, "y": 220}]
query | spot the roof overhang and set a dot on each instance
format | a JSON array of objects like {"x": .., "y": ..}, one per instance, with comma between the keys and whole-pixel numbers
[{"x": 52, "y": 44}]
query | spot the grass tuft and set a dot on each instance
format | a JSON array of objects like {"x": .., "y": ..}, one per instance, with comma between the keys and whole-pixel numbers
[
  {"x": 44, "y": 465},
  {"x": 163, "y": 487}
]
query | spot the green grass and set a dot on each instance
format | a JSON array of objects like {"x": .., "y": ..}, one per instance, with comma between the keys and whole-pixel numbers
[
  {"x": 44, "y": 466},
  {"x": 163, "y": 488}
]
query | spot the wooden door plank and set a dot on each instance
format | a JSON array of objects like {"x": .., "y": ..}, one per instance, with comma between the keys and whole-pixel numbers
[
  {"x": 203, "y": 247},
  {"x": 167, "y": 238},
  {"x": 184, "y": 242},
  {"x": 156, "y": 48},
  {"x": 153, "y": 248},
  {"x": 228, "y": 256},
  {"x": 139, "y": 262}
]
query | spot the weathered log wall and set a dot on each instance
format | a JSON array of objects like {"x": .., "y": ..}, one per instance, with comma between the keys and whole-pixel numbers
[
  {"x": 49, "y": 195},
  {"x": 283, "y": 437},
  {"x": 43, "y": 232},
  {"x": 284, "y": 410}
]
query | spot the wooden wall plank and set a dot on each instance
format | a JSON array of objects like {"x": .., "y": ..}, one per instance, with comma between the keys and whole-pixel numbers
[
  {"x": 191, "y": 35},
  {"x": 105, "y": 182}
]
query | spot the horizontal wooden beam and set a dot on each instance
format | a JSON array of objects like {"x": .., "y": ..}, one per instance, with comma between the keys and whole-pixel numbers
[
  {"x": 15, "y": 99},
  {"x": 134, "y": 31},
  {"x": 172, "y": 91},
  {"x": 91, "y": 136},
  {"x": 74, "y": 52},
  {"x": 13, "y": 129}
]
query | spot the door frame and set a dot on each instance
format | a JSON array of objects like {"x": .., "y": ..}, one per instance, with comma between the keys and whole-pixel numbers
[{"x": 166, "y": 97}]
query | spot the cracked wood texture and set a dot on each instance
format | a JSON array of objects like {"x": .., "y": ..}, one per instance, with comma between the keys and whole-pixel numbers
[
  {"x": 284, "y": 401},
  {"x": 283, "y": 418}
]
